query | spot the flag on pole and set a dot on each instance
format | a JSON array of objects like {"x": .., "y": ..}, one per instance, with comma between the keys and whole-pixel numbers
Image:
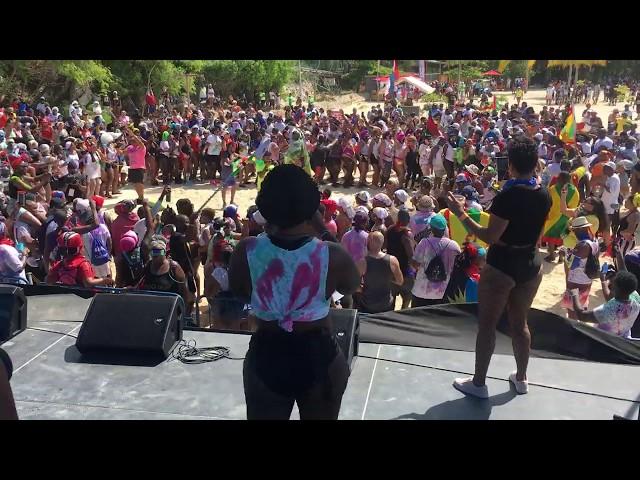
[
  {"x": 432, "y": 127},
  {"x": 568, "y": 132},
  {"x": 395, "y": 75}
]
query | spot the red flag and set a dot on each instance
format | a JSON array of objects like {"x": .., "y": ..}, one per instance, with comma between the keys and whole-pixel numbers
[
  {"x": 396, "y": 71},
  {"x": 493, "y": 107},
  {"x": 433, "y": 127}
]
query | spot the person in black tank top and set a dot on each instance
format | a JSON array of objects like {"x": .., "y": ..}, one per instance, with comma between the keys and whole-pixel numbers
[
  {"x": 379, "y": 272},
  {"x": 161, "y": 274},
  {"x": 400, "y": 244},
  {"x": 413, "y": 167},
  {"x": 513, "y": 272}
]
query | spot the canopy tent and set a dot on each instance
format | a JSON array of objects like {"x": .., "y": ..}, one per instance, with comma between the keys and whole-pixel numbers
[
  {"x": 385, "y": 78},
  {"x": 419, "y": 84},
  {"x": 492, "y": 73}
]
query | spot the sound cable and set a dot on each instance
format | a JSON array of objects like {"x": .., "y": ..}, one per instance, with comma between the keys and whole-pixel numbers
[
  {"x": 190, "y": 354},
  {"x": 51, "y": 331}
]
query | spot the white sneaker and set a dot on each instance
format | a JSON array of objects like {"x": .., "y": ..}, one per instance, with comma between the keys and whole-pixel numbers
[
  {"x": 466, "y": 386},
  {"x": 522, "y": 387}
]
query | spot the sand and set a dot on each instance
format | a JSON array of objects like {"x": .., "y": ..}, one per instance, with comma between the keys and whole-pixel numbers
[{"x": 553, "y": 284}]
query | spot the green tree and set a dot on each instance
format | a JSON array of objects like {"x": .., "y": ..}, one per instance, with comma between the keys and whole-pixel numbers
[{"x": 465, "y": 69}]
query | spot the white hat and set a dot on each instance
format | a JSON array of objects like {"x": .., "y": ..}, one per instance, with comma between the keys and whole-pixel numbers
[
  {"x": 383, "y": 198},
  {"x": 401, "y": 195},
  {"x": 362, "y": 209},
  {"x": 345, "y": 204},
  {"x": 363, "y": 196},
  {"x": 381, "y": 213}
]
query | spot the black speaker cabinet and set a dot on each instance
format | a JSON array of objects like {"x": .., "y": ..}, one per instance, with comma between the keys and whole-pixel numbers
[
  {"x": 346, "y": 328},
  {"x": 134, "y": 323},
  {"x": 13, "y": 311}
]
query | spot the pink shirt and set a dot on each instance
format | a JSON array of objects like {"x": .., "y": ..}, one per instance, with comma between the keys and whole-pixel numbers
[
  {"x": 136, "y": 156},
  {"x": 355, "y": 242},
  {"x": 331, "y": 226}
]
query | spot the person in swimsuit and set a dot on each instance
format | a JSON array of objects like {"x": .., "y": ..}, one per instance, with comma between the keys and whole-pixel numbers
[
  {"x": 289, "y": 275},
  {"x": 161, "y": 274},
  {"x": 511, "y": 277}
]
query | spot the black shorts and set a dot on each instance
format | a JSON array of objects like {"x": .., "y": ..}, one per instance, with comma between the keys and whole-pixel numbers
[
  {"x": 212, "y": 160},
  {"x": 136, "y": 175},
  {"x": 280, "y": 368}
]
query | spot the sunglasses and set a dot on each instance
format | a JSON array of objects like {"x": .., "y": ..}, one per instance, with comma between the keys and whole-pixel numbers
[{"x": 157, "y": 252}]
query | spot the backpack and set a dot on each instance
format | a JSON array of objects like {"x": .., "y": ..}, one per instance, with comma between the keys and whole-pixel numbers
[
  {"x": 435, "y": 271},
  {"x": 68, "y": 274},
  {"x": 135, "y": 263},
  {"x": 592, "y": 266},
  {"x": 99, "y": 252}
]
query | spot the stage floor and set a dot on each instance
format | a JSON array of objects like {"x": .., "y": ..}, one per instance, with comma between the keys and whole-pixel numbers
[{"x": 387, "y": 382}]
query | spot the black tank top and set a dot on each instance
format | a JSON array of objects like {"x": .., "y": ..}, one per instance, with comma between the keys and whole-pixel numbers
[
  {"x": 412, "y": 156},
  {"x": 376, "y": 294},
  {"x": 395, "y": 247},
  {"x": 165, "y": 282}
]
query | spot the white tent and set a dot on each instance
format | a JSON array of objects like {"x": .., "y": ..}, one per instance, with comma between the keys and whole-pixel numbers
[{"x": 419, "y": 84}]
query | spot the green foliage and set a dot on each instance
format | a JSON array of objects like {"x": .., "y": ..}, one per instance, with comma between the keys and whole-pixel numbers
[
  {"x": 434, "y": 98},
  {"x": 85, "y": 72},
  {"x": 466, "y": 69},
  {"x": 622, "y": 92},
  {"x": 234, "y": 77},
  {"x": 516, "y": 69}
]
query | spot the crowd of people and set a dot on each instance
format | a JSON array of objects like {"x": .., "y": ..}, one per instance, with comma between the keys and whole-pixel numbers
[
  {"x": 464, "y": 197},
  {"x": 407, "y": 240}
]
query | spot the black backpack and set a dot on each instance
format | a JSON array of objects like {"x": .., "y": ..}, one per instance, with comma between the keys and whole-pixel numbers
[
  {"x": 592, "y": 267},
  {"x": 435, "y": 271}
]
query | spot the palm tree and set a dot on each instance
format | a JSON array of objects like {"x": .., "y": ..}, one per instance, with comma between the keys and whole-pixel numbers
[{"x": 577, "y": 64}]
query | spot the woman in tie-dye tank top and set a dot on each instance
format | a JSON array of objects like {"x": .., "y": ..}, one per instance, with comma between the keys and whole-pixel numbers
[{"x": 290, "y": 275}]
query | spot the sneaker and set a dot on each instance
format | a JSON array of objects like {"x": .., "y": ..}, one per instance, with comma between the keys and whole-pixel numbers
[
  {"x": 522, "y": 387},
  {"x": 466, "y": 386}
]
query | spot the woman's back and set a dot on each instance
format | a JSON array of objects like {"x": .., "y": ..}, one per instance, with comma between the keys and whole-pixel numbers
[
  {"x": 288, "y": 281},
  {"x": 376, "y": 292}
]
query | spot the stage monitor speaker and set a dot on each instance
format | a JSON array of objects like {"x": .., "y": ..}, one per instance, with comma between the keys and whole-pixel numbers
[
  {"x": 13, "y": 311},
  {"x": 346, "y": 328},
  {"x": 144, "y": 324}
]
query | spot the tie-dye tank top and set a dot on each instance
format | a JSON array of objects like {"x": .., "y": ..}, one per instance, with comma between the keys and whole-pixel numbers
[{"x": 288, "y": 285}]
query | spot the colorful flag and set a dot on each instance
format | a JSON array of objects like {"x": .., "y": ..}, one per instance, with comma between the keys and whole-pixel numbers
[
  {"x": 396, "y": 70},
  {"x": 568, "y": 132},
  {"x": 259, "y": 164},
  {"x": 432, "y": 127}
]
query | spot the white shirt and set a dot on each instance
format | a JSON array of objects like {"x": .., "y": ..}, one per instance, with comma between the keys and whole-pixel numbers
[
  {"x": 604, "y": 142},
  {"x": 500, "y": 124},
  {"x": 214, "y": 144},
  {"x": 222, "y": 277},
  {"x": 611, "y": 197},
  {"x": 10, "y": 263},
  {"x": 585, "y": 147}
]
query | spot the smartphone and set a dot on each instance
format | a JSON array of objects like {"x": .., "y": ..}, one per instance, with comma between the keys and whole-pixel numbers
[
  {"x": 605, "y": 268},
  {"x": 22, "y": 197}
]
